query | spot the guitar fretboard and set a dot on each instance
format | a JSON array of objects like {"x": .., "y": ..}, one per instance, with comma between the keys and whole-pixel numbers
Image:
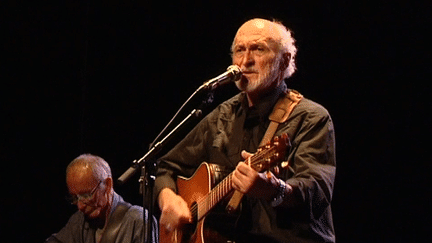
[
  {"x": 259, "y": 161},
  {"x": 215, "y": 196}
]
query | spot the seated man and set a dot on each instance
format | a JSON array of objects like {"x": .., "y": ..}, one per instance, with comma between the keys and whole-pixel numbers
[{"x": 103, "y": 215}]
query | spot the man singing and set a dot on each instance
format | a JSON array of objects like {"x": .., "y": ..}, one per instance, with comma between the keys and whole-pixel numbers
[{"x": 293, "y": 205}]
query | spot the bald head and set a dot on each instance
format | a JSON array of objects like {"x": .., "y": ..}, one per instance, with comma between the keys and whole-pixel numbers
[
  {"x": 89, "y": 180},
  {"x": 275, "y": 34},
  {"x": 88, "y": 165},
  {"x": 261, "y": 27}
]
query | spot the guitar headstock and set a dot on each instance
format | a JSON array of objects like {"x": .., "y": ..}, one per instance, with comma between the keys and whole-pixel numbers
[{"x": 270, "y": 154}]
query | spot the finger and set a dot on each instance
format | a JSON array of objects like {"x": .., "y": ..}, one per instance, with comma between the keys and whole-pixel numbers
[
  {"x": 175, "y": 214},
  {"x": 276, "y": 170},
  {"x": 169, "y": 228},
  {"x": 186, "y": 218},
  {"x": 238, "y": 177},
  {"x": 269, "y": 174},
  {"x": 165, "y": 224},
  {"x": 237, "y": 185},
  {"x": 246, "y": 172},
  {"x": 238, "y": 181},
  {"x": 245, "y": 155},
  {"x": 186, "y": 214},
  {"x": 241, "y": 167}
]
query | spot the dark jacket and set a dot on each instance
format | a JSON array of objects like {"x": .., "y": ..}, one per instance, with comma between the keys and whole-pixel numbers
[{"x": 232, "y": 127}]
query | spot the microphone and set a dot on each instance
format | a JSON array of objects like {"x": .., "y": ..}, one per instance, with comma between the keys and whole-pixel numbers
[{"x": 232, "y": 74}]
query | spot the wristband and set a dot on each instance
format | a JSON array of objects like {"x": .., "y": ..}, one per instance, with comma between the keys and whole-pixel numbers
[{"x": 280, "y": 195}]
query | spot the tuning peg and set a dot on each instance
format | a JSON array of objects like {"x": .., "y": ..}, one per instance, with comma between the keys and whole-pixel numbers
[
  {"x": 276, "y": 170},
  {"x": 284, "y": 165}
]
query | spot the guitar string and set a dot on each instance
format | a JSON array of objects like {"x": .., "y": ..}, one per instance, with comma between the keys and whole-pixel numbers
[{"x": 216, "y": 193}]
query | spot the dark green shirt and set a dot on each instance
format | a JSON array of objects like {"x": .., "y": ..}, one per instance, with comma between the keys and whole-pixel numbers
[{"x": 232, "y": 127}]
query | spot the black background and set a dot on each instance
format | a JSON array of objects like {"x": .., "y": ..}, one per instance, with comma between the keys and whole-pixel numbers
[{"x": 105, "y": 77}]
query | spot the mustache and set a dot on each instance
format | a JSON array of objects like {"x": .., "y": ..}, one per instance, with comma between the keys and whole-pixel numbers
[{"x": 249, "y": 70}]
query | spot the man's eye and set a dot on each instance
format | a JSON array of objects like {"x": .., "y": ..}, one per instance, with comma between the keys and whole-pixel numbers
[
  {"x": 261, "y": 48},
  {"x": 238, "y": 52}
]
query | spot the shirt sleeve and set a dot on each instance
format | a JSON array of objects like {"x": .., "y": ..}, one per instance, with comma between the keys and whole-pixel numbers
[
  {"x": 205, "y": 143},
  {"x": 71, "y": 232},
  {"x": 132, "y": 229},
  {"x": 183, "y": 159},
  {"x": 313, "y": 160}
]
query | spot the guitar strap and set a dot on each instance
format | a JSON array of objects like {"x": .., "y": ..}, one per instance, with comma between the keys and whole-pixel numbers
[
  {"x": 280, "y": 114},
  {"x": 113, "y": 227}
]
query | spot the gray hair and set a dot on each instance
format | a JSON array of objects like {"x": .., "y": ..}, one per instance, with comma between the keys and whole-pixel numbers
[
  {"x": 99, "y": 167},
  {"x": 287, "y": 45}
]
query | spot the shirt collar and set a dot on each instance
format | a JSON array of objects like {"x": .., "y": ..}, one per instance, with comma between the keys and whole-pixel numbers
[
  {"x": 116, "y": 200},
  {"x": 263, "y": 108}
]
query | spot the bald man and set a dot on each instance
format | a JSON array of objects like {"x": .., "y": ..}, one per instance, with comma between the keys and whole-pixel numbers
[
  {"x": 103, "y": 215},
  {"x": 291, "y": 206}
]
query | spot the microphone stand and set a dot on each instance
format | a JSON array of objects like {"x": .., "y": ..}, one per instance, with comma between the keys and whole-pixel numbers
[{"x": 147, "y": 163}]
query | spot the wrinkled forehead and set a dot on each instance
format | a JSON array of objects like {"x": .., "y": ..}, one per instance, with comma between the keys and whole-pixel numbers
[
  {"x": 257, "y": 30},
  {"x": 80, "y": 179}
]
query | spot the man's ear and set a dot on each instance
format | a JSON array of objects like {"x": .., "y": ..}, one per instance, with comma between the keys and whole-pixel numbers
[
  {"x": 109, "y": 182},
  {"x": 286, "y": 57}
]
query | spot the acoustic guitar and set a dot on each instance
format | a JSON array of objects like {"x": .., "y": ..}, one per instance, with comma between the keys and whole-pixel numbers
[{"x": 201, "y": 194}]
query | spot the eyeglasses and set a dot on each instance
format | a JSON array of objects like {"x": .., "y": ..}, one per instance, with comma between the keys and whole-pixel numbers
[{"x": 84, "y": 198}]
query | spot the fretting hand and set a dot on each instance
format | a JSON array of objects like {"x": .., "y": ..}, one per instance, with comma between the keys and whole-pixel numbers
[{"x": 248, "y": 181}]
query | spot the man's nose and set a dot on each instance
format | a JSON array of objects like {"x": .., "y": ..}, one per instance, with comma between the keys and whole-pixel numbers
[
  {"x": 81, "y": 206},
  {"x": 248, "y": 59}
]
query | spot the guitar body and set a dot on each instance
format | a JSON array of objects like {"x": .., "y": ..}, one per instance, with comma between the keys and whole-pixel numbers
[
  {"x": 191, "y": 190},
  {"x": 203, "y": 193}
]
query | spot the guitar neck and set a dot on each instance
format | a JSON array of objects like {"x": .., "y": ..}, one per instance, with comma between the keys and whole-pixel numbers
[
  {"x": 207, "y": 203},
  {"x": 220, "y": 191},
  {"x": 265, "y": 157}
]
